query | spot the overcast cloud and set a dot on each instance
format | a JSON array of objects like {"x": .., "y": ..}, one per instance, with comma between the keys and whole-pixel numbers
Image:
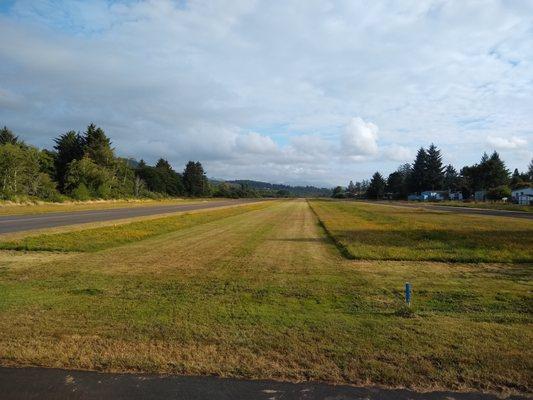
[{"x": 316, "y": 92}]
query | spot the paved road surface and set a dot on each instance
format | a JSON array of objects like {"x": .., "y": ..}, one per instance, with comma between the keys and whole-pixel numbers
[
  {"x": 48, "y": 384},
  {"x": 462, "y": 210},
  {"x": 18, "y": 223}
]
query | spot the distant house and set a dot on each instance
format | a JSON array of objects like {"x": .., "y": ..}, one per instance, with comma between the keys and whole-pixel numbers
[
  {"x": 433, "y": 195},
  {"x": 480, "y": 195},
  {"x": 456, "y": 196},
  {"x": 523, "y": 196},
  {"x": 429, "y": 195}
]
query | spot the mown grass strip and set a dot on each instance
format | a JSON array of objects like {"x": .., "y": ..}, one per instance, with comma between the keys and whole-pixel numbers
[
  {"x": 340, "y": 246},
  {"x": 95, "y": 239},
  {"x": 377, "y": 232},
  {"x": 488, "y": 206}
]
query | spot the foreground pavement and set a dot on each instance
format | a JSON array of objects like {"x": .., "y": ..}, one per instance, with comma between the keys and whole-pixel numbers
[
  {"x": 19, "y": 223},
  {"x": 41, "y": 383}
]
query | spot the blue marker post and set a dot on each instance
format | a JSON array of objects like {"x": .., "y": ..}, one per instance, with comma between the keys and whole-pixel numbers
[{"x": 408, "y": 293}]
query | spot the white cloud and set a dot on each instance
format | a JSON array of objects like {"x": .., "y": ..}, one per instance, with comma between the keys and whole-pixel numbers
[
  {"x": 398, "y": 153},
  {"x": 255, "y": 143},
  {"x": 360, "y": 138},
  {"x": 502, "y": 143},
  {"x": 192, "y": 79}
]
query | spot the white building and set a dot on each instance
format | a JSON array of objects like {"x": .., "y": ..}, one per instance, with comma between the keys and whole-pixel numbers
[
  {"x": 432, "y": 195},
  {"x": 523, "y": 196},
  {"x": 456, "y": 196}
]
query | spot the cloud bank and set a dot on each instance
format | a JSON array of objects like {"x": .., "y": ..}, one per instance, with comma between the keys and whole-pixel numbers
[{"x": 298, "y": 92}]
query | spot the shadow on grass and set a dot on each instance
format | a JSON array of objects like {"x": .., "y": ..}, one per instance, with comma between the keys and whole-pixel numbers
[{"x": 301, "y": 240}]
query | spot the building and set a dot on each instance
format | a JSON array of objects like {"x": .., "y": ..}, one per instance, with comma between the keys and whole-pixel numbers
[
  {"x": 480, "y": 195},
  {"x": 456, "y": 196},
  {"x": 523, "y": 196},
  {"x": 433, "y": 195}
]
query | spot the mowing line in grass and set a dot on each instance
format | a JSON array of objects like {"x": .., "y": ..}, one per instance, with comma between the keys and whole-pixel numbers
[{"x": 379, "y": 232}]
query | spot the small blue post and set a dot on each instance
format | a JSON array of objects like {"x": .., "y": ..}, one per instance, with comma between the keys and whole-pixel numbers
[{"x": 408, "y": 293}]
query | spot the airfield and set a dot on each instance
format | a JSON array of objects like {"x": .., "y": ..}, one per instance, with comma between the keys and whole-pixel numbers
[{"x": 283, "y": 290}]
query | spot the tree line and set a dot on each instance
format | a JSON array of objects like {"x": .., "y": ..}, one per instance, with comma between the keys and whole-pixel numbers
[
  {"x": 84, "y": 166},
  {"x": 428, "y": 173}
]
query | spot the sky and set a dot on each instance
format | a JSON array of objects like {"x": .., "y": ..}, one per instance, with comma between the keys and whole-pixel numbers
[{"x": 300, "y": 92}]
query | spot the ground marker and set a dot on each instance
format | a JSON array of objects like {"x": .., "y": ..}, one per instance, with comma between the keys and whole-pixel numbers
[{"x": 408, "y": 293}]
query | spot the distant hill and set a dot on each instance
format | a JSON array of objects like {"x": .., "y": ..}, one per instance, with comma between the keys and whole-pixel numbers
[{"x": 303, "y": 191}]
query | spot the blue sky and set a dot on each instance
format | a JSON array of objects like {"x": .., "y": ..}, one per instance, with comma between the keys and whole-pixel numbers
[{"x": 316, "y": 92}]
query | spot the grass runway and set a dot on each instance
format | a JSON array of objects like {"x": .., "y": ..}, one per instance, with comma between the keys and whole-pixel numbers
[{"x": 266, "y": 294}]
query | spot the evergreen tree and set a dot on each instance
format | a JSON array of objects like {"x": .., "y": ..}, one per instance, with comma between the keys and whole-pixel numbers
[
  {"x": 497, "y": 173},
  {"x": 98, "y": 146},
  {"x": 69, "y": 147},
  {"x": 451, "y": 180},
  {"x": 530, "y": 171},
  {"x": 152, "y": 178},
  {"x": 481, "y": 173},
  {"x": 172, "y": 181},
  {"x": 338, "y": 193},
  {"x": 376, "y": 189},
  {"x": 395, "y": 184},
  {"x": 6, "y": 136},
  {"x": 417, "y": 177},
  {"x": 194, "y": 179},
  {"x": 518, "y": 180},
  {"x": 351, "y": 190},
  {"x": 434, "y": 177}
]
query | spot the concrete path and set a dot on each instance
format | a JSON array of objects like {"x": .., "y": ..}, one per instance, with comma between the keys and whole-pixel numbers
[
  {"x": 459, "y": 210},
  {"x": 48, "y": 384},
  {"x": 18, "y": 223}
]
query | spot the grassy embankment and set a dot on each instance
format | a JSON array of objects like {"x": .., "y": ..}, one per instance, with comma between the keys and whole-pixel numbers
[
  {"x": 26, "y": 208},
  {"x": 379, "y": 232},
  {"x": 264, "y": 294}
]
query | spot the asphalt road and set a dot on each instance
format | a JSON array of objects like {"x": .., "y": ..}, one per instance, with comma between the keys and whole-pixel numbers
[
  {"x": 462, "y": 210},
  {"x": 18, "y": 223},
  {"x": 48, "y": 384}
]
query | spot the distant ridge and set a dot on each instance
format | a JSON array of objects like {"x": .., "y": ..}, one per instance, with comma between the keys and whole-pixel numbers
[{"x": 292, "y": 190}]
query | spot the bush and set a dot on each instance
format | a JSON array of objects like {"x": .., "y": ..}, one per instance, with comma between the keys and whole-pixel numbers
[
  {"x": 499, "y": 193},
  {"x": 81, "y": 193},
  {"x": 46, "y": 189},
  {"x": 104, "y": 191}
]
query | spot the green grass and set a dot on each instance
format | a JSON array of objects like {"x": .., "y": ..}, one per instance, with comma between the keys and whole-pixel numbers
[
  {"x": 40, "y": 207},
  {"x": 115, "y": 235},
  {"x": 264, "y": 294},
  {"x": 381, "y": 232},
  {"x": 488, "y": 205}
]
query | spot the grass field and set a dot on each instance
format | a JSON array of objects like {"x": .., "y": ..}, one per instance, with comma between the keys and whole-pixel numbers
[
  {"x": 9, "y": 208},
  {"x": 488, "y": 205},
  {"x": 104, "y": 237},
  {"x": 266, "y": 294},
  {"x": 379, "y": 232}
]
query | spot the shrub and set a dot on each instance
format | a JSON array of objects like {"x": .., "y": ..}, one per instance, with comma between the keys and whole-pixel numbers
[
  {"x": 81, "y": 193},
  {"x": 499, "y": 193}
]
